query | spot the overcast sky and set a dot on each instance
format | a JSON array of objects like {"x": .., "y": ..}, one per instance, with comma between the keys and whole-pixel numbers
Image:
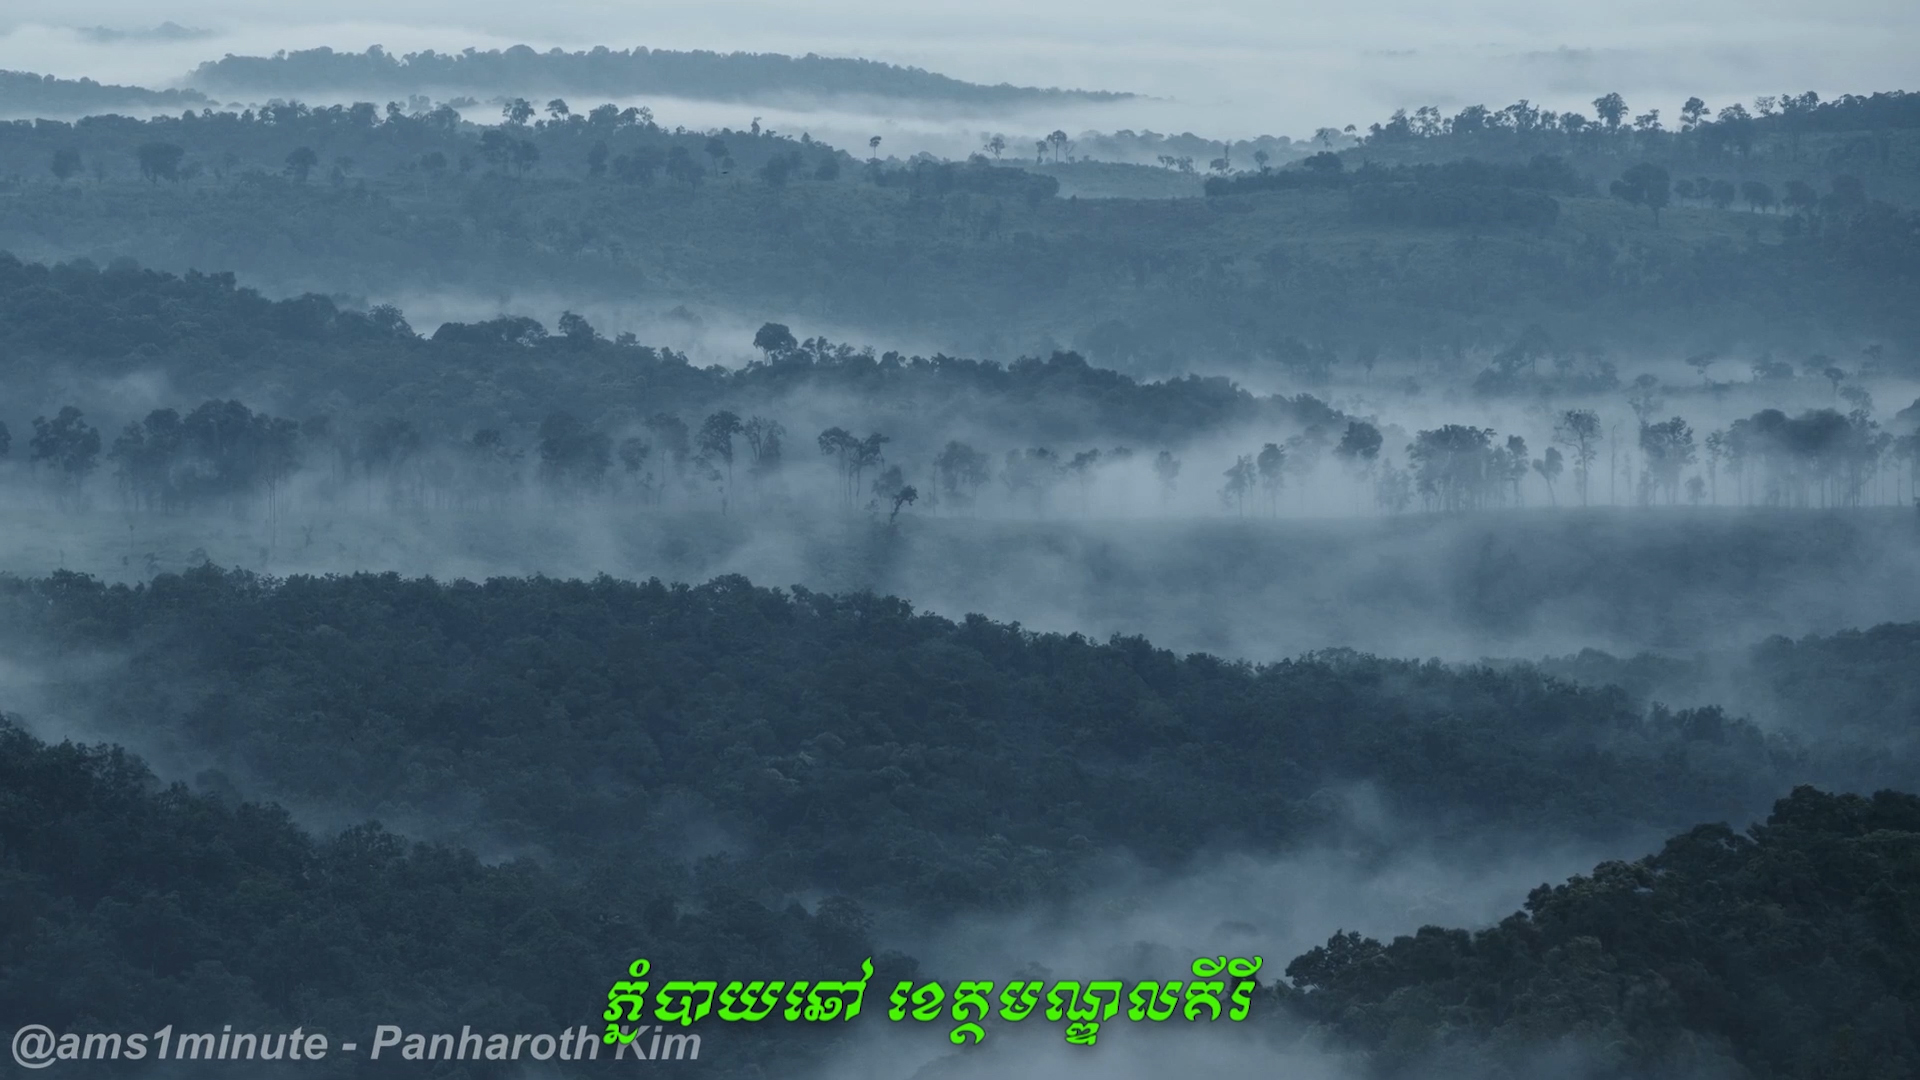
[{"x": 1231, "y": 67}]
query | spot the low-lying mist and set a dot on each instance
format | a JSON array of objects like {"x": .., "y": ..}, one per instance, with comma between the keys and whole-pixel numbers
[
  {"x": 1222, "y": 71},
  {"x": 1520, "y": 583}
]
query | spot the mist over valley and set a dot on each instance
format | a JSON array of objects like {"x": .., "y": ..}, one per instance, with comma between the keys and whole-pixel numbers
[{"x": 1415, "y": 509}]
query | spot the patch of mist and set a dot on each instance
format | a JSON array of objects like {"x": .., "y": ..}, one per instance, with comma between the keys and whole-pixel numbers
[
  {"x": 1142, "y": 926},
  {"x": 1494, "y": 583},
  {"x": 706, "y": 333},
  {"x": 47, "y": 697},
  {"x": 1036, "y": 1051},
  {"x": 1228, "y": 68},
  {"x": 1371, "y": 874}
]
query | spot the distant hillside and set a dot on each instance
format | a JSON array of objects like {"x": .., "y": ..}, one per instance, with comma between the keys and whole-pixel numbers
[
  {"x": 608, "y": 73},
  {"x": 22, "y": 93}
]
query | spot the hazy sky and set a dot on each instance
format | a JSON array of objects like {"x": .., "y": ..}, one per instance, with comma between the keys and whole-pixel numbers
[{"x": 1232, "y": 67}]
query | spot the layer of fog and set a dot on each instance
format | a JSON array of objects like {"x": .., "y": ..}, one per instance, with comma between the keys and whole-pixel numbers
[
  {"x": 706, "y": 333},
  {"x": 1371, "y": 874},
  {"x": 1498, "y": 583},
  {"x": 1229, "y": 68}
]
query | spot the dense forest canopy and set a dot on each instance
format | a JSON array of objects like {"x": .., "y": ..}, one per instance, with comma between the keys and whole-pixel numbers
[
  {"x": 1295, "y": 546},
  {"x": 611, "y": 73},
  {"x": 955, "y": 425},
  {"x": 918, "y": 763},
  {"x": 23, "y": 93},
  {"x": 1422, "y": 263},
  {"x": 195, "y": 910},
  {"x": 212, "y": 334},
  {"x": 1778, "y": 952}
]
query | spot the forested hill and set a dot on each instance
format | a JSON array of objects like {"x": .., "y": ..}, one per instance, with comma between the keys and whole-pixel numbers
[
  {"x": 1787, "y": 951},
  {"x": 131, "y": 905},
  {"x": 699, "y": 74},
  {"x": 1790, "y": 952},
  {"x": 927, "y": 763},
  {"x": 24, "y": 94},
  {"x": 844, "y": 738},
  {"x": 215, "y": 337},
  {"x": 1299, "y": 270}
]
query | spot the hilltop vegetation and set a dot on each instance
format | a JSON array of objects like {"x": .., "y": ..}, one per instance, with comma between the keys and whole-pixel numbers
[
  {"x": 977, "y": 257},
  {"x": 1781, "y": 952},
  {"x": 24, "y": 94},
  {"x": 928, "y": 766},
  {"x": 609, "y": 73},
  {"x": 940, "y": 764}
]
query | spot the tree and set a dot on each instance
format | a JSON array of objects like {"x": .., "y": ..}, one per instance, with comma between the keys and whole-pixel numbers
[
  {"x": 854, "y": 455},
  {"x": 1166, "y": 468},
  {"x": 997, "y": 145},
  {"x": 1668, "y": 447},
  {"x": 774, "y": 339},
  {"x": 1645, "y": 184},
  {"x": 904, "y": 495},
  {"x": 1324, "y": 163},
  {"x": 1272, "y": 465},
  {"x": 66, "y": 163},
  {"x": 670, "y": 435},
  {"x": 577, "y": 330},
  {"x": 639, "y": 166},
  {"x": 764, "y": 438},
  {"x": 716, "y": 441},
  {"x": 573, "y": 453},
  {"x": 386, "y": 444},
  {"x": 1717, "y": 451},
  {"x": 960, "y": 470},
  {"x": 1081, "y": 467},
  {"x": 597, "y": 158},
  {"x": 1454, "y": 466},
  {"x": 681, "y": 166},
  {"x": 557, "y": 109},
  {"x": 496, "y": 148},
  {"x": 1801, "y": 197},
  {"x": 67, "y": 444},
  {"x": 1692, "y": 113},
  {"x": 778, "y": 168},
  {"x": 873, "y": 147},
  {"x": 1514, "y": 463},
  {"x": 1734, "y": 125},
  {"x": 715, "y": 148},
  {"x": 1359, "y": 444},
  {"x": 300, "y": 163},
  {"x": 1549, "y": 467},
  {"x": 517, "y": 111},
  {"x": 1758, "y": 195},
  {"x": 1611, "y": 108},
  {"x": 525, "y": 156},
  {"x": 634, "y": 452},
  {"x": 1579, "y": 431},
  {"x": 159, "y": 161},
  {"x": 1240, "y": 480},
  {"x": 892, "y": 488},
  {"x": 1393, "y": 491},
  {"x": 1057, "y": 140}
]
